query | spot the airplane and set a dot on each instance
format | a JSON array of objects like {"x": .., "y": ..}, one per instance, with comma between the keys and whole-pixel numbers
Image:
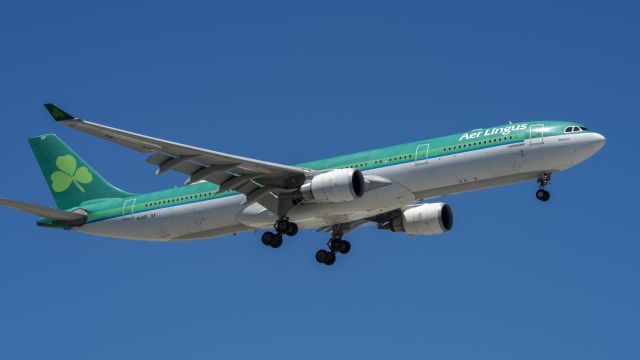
[{"x": 225, "y": 194}]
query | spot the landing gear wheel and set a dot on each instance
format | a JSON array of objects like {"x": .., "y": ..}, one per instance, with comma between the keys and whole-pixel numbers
[
  {"x": 322, "y": 256},
  {"x": 281, "y": 226},
  {"x": 337, "y": 245},
  {"x": 268, "y": 238},
  {"x": 346, "y": 247},
  {"x": 292, "y": 229},
  {"x": 331, "y": 260},
  {"x": 543, "y": 195},
  {"x": 284, "y": 226},
  {"x": 277, "y": 242}
]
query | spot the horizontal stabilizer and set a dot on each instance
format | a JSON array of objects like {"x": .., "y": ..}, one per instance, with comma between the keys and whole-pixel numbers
[{"x": 53, "y": 214}]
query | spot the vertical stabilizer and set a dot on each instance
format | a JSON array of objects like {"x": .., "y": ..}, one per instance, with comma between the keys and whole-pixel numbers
[{"x": 70, "y": 179}]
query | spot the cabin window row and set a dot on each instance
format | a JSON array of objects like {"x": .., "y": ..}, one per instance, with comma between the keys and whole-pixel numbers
[
  {"x": 174, "y": 200},
  {"x": 477, "y": 143},
  {"x": 376, "y": 162}
]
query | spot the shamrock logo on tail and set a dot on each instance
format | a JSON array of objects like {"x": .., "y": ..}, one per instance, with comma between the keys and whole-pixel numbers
[{"x": 68, "y": 173}]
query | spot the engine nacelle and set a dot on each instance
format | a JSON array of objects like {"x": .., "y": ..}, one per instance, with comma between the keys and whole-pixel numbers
[
  {"x": 334, "y": 186},
  {"x": 426, "y": 219}
]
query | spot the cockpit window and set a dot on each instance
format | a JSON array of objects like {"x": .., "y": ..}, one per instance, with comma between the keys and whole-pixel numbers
[{"x": 570, "y": 129}]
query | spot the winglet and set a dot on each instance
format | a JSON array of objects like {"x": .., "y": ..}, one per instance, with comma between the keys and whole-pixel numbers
[{"x": 57, "y": 113}]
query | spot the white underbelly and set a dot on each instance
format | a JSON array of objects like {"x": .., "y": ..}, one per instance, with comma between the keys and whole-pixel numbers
[{"x": 171, "y": 222}]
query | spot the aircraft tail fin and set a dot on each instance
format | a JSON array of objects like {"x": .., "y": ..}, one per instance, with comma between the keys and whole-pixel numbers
[{"x": 71, "y": 179}]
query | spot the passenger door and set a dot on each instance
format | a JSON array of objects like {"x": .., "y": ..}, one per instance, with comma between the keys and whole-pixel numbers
[
  {"x": 422, "y": 154},
  {"x": 536, "y": 134},
  {"x": 127, "y": 209}
]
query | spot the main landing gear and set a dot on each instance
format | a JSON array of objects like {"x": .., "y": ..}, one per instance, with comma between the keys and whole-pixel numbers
[
  {"x": 336, "y": 245},
  {"x": 542, "y": 194},
  {"x": 282, "y": 227}
]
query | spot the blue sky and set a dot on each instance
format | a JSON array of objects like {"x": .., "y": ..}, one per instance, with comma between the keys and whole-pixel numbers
[{"x": 516, "y": 278}]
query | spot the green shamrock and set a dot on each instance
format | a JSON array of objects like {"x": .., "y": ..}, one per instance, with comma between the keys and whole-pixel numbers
[{"x": 68, "y": 173}]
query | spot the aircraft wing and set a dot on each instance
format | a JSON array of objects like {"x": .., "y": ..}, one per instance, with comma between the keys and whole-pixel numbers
[{"x": 252, "y": 177}]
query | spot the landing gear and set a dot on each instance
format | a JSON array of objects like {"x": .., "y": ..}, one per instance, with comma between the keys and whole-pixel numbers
[
  {"x": 336, "y": 245},
  {"x": 271, "y": 239},
  {"x": 282, "y": 227},
  {"x": 542, "y": 194},
  {"x": 325, "y": 257},
  {"x": 339, "y": 245}
]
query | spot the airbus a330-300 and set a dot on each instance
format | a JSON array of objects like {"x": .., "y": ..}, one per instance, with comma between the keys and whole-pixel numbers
[{"x": 226, "y": 194}]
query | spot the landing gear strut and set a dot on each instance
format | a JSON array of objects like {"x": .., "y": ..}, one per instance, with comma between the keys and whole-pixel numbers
[
  {"x": 282, "y": 227},
  {"x": 336, "y": 245},
  {"x": 543, "y": 180}
]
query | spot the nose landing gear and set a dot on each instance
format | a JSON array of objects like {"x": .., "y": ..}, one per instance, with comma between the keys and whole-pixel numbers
[
  {"x": 282, "y": 227},
  {"x": 542, "y": 194}
]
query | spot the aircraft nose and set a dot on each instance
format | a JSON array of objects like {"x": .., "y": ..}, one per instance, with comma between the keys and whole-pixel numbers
[
  {"x": 598, "y": 141},
  {"x": 589, "y": 144}
]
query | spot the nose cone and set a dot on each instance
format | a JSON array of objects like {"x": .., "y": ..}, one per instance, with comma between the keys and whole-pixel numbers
[
  {"x": 589, "y": 144},
  {"x": 597, "y": 141}
]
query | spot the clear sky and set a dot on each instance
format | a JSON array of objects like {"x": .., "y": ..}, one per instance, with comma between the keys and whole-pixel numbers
[{"x": 290, "y": 82}]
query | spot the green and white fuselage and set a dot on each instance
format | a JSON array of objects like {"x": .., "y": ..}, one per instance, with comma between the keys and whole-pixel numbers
[{"x": 405, "y": 174}]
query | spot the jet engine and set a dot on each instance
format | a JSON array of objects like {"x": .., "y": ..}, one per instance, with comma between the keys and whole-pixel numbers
[
  {"x": 426, "y": 219},
  {"x": 334, "y": 186}
]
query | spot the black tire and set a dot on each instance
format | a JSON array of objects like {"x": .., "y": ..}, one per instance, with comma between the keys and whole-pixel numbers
[
  {"x": 282, "y": 226},
  {"x": 540, "y": 194},
  {"x": 337, "y": 245},
  {"x": 331, "y": 260},
  {"x": 346, "y": 247},
  {"x": 267, "y": 238},
  {"x": 292, "y": 229},
  {"x": 277, "y": 241},
  {"x": 322, "y": 256},
  {"x": 547, "y": 196}
]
